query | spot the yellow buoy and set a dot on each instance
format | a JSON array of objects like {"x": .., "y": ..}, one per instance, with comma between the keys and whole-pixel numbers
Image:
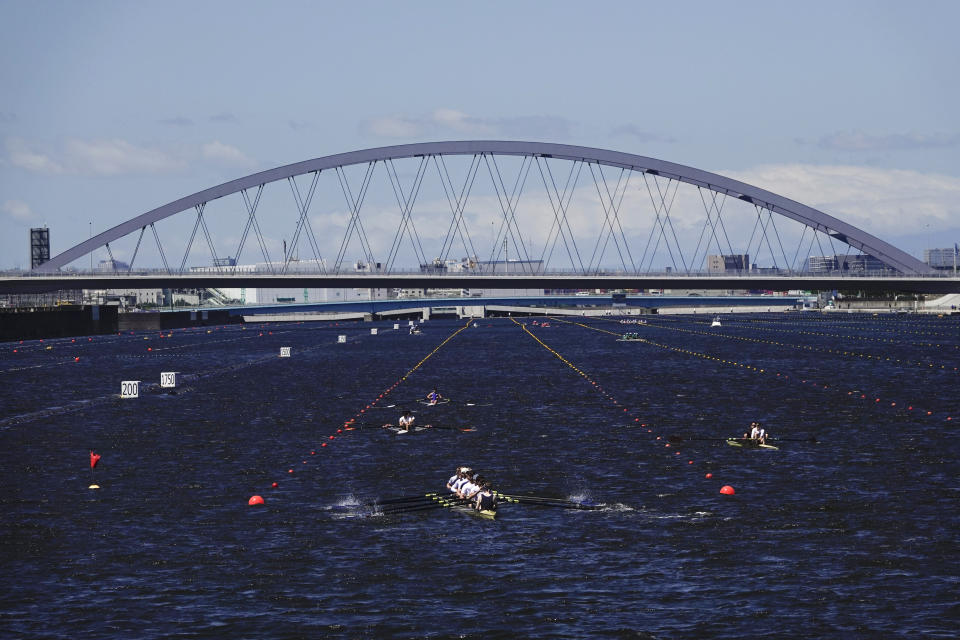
[{"x": 94, "y": 486}]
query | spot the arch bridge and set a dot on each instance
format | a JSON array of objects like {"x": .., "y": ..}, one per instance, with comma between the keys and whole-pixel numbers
[{"x": 535, "y": 210}]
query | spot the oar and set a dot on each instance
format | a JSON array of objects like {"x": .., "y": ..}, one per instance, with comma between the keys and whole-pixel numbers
[
  {"x": 402, "y": 499},
  {"x": 437, "y": 503},
  {"x": 450, "y": 427},
  {"x": 547, "y": 502}
]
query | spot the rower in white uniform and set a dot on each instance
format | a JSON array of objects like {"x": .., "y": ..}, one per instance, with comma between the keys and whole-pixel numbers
[
  {"x": 455, "y": 478},
  {"x": 462, "y": 475},
  {"x": 406, "y": 421},
  {"x": 469, "y": 488}
]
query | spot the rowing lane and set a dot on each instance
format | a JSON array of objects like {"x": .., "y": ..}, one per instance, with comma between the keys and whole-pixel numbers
[
  {"x": 296, "y": 467},
  {"x": 659, "y": 439},
  {"x": 944, "y": 412}
]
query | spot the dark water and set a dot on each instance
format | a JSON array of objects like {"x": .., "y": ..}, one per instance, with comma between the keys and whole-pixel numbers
[{"x": 852, "y": 536}]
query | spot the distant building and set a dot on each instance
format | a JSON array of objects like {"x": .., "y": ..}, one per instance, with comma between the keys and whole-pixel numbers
[
  {"x": 847, "y": 263},
  {"x": 286, "y": 295},
  {"x": 111, "y": 266},
  {"x": 736, "y": 263},
  {"x": 941, "y": 258}
]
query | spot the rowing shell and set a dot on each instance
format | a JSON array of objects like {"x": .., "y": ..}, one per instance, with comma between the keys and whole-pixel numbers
[
  {"x": 747, "y": 443},
  {"x": 401, "y": 430},
  {"x": 487, "y": 514},
  {"x": 430, "y": 404}
]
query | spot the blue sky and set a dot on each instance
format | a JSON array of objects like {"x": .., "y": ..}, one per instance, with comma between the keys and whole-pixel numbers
[{"x": 109, "y": 109}]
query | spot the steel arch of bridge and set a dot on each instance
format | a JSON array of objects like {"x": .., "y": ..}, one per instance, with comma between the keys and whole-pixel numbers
[{"x": 813, "y": 218}]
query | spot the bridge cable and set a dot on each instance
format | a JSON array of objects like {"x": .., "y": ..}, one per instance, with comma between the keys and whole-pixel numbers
[
  {"x": 793, "y": 264},
  {"x": 305, "y": 206},
  {"x": 666, "y": 217},
  {"x": 560, "y": 211},
  {"x": 206, "y": 234},
  {"x": 508, "y": 210},
  {"x": 665, "y": 208},
  {"x": 163, "y": 256},
  {"x": 193, "y": 235},
  {"x": 406, "y": 203},
  {"x": 143, "y": 229},
  {"x": 252, "y": 222},
  {"x": 354, "y": 224},
  {"x": 457, "y": 205},
  {"x": 779, "y": 239},
  {"x": 614, "y": 206}
]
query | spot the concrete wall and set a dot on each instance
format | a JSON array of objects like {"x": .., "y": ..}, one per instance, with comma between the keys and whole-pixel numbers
[{"x": 72, "y": 320}]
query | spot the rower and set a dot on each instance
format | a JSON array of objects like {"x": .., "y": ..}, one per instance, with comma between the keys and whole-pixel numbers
[
  {"x": 462, "y": 474},
  {"x": 454, "y": 478},
  {"x": 469, "y": 488},
  {"x": 755, "y": 430},
  {"x": 433, "y": 397},
  {"x": 406, "y": 421},
  {"x": 476, "y": 484},
  {"x": 761, "y": 434},
  {"x": 486, "y": 499}
]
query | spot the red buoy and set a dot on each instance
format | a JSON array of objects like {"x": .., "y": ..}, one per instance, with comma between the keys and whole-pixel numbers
[
  {"x": 289, "y": 470},
  {"x": 727, "y": 490},
  {"x": 274, "y": 485},
  {"x": 708, "y": 476},
  {"x": 255, "y": 500}
]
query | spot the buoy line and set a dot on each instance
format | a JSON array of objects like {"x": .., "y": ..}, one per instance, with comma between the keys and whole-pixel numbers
[
  {"x": 658, "y": 438},
  {"x": 813, "y": 349},
  {"x": 877, "y": 402},
  {"x": 147, "y": 387},
  {"x": 348, "y": 425},
  {"x": 751, "y": 325},
  {"x": 856, "y": 322}
]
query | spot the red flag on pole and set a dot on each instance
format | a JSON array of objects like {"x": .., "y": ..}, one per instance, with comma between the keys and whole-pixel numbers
[{"x": 94, "y": 459}]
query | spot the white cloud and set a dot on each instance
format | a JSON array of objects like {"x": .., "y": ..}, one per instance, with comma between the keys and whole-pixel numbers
[
  {"x": 861, "y": 141},
  {"x": 91, "y": 157},
  {"x": 23, "y": 157},
  {"x": 17, "y": 209},
  {"x": 116, "y": 156},
  {"x": 462, "y": 123},
  {"x": 113, "y": 157},
  {"x": 226, "y": 154},
  {"x": 641, "y": 135},
  {"x": 444, "y": 121},
  {"x": 395, "y": 127},
  {"x": 884, "y": 202}
]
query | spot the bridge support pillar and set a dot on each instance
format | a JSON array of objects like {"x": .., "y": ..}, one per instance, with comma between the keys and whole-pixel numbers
[
  {"x": 426, "y": 314},
  {"x": 471, "y": 311}
]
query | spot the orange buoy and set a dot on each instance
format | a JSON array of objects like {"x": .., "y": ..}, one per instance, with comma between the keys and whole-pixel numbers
[
  {"x": 255, "y": 500},
  {"x": 727, "y": 490}
]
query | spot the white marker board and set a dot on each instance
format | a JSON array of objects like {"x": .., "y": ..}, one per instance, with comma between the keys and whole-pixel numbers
[
  {"x": 284, "y": 352},
  {"x": 341, "y": 339},
  {"x": 168, "y": 379},
  {"x": 130, "y": 389}
]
